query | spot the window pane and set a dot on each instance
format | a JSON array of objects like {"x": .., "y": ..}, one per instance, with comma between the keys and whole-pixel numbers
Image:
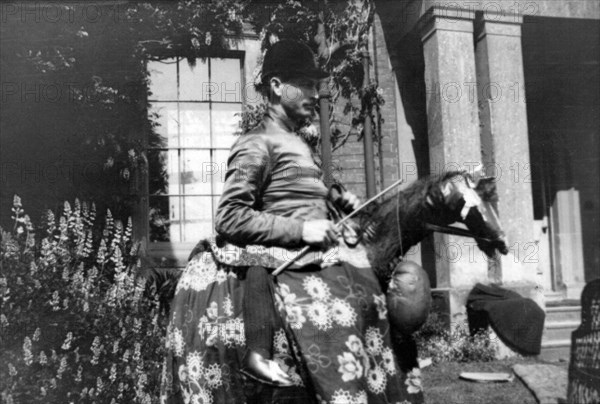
[
  {"x": 220, "y": 162},
  {"x": 163, "y": 80},
  {"x": 193, "y": 81},
  {"x": 196, "y": 175},
  {"x": 165, "y": 224},
  {"x": 225, "y": 77},
  {"x": 225, "y": 123},
  {"x": 198, "y": 135},
  {"x": 167, "y": 123},
  {"x": 164, "y": 172},
  {"x": 195, "y": 124},
  {"x": 198, "y": 215}
]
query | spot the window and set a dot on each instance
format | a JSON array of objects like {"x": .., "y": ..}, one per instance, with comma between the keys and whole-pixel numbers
[{"x": 196, "y": 109}]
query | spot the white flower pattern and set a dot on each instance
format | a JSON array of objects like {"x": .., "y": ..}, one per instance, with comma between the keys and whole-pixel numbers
[
  {"x": 355, "y": 345},
  {"x": 319, "y": 314},
  {"x": 195, "y": 368},
  {"x": 316, "y": 288},
  {"x": 280, "y": 342},
  {"x": 175, "y": 341},
  {"x": 345, "y": 397},
  {"x": 413, "y": 381},
  {"x": 388, "y": 361},
  {"x": 365, "y": 359},
  {"x": 343, "y": 314},
  {"x": 200, "y": 272},
  {"x": 213, "y": 376},
  {"x": 374, "y": 341},
  {"x": 381, "y": 304},
  {"x": 376, "y": 380},
  {"x": 350, "y": 367}
]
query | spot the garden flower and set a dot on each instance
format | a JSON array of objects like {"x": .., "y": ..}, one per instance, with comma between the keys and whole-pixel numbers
[
  {"x": 67, "y": 343},
  {"x": 12, "y": 371},
  {"x": 73, "y": 288},
  {"x": 43, "y": 358},
  {"x": 27, "y": 355},
  {"x": 79, "y": 374},
  {"x": 61, "y": 368}
]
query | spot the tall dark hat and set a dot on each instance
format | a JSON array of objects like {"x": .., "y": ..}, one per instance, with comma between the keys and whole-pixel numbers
[{"x": 290, "y": 58}]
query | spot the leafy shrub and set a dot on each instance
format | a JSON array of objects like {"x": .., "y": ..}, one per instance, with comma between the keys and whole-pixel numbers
[
  {"x": 453, "y": 344},
  {"x": 74, "y": 323}
]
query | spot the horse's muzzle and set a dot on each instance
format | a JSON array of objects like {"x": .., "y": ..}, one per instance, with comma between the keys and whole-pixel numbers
[{"x": 490, "y": 247}]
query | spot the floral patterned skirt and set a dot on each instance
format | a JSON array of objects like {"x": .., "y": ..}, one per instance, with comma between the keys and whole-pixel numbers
[{"x": 334, "y": 339}]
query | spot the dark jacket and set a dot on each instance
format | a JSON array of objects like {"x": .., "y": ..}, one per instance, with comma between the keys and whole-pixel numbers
[{"x": 271, "y": 187}]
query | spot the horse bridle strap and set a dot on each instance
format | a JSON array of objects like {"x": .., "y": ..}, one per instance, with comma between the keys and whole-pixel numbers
[{"x": 456, "y": 231}]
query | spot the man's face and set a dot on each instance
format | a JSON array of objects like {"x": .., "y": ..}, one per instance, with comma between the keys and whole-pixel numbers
[{"x": 299, "y": 97}]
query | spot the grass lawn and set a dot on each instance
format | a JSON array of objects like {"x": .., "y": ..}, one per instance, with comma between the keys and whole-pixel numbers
[{"x": 442, "y": 385}]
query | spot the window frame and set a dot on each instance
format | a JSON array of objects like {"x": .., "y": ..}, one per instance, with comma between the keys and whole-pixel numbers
[{"x": 175, "y": 253}]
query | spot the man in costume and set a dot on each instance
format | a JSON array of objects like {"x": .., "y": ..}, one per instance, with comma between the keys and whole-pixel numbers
[
  {"x": 273, "y": 193},
  {"x": 332, "y": 339}
]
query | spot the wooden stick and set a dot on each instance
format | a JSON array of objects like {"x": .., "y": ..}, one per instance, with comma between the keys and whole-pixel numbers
[{"x": 305, "y": 250}]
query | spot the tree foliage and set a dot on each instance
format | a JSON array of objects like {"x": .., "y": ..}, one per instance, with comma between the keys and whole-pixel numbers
[
  {"x": 338, "y": 32},
  {"x": 75, "y": 81}
]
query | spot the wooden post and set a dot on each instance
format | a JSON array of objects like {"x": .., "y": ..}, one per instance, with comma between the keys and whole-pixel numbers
[
  {"x": 327, "y": 165},
  {"x": 368, "y": 133}
]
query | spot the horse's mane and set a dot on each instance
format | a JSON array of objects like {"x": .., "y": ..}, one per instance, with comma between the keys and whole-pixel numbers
[{"x": 398, "y": 221}]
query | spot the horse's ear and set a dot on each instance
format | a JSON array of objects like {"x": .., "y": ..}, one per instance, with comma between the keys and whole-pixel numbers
[
  {"x": 486, "y": 188},
  {"x": 478, "y": 173}
]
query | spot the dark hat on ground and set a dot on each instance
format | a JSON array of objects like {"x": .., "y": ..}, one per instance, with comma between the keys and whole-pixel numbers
[
  {"x": 518, "y": 321},
  {"x": 290, "y": 58}
]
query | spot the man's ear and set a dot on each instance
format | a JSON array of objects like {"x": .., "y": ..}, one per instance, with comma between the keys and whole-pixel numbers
[{"x": 276, "y": 86}]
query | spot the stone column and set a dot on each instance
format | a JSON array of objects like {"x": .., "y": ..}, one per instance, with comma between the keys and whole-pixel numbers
[
  {"x": 454, "y": 142},
  {"x": 505, "y": 142},
  {"x": 568, "y": 243}
]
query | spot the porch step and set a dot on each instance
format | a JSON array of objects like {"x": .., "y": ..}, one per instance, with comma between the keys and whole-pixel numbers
[
  {"x": 556, "y": 314},
  {"x": 556, "y": 351},
  {"x": 560, "y": 330},
  {"x": 561, "y": 321}
]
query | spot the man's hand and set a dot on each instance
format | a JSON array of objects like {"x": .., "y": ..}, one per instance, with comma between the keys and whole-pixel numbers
[
  {"x": 348, "y": 202},
  {"x": 320, "y": 233}
]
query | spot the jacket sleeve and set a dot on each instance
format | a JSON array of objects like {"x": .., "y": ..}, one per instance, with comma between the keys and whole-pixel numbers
[{"x": 239, "y": 218}]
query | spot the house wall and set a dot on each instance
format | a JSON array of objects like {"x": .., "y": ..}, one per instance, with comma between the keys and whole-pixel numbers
[
  {"x": 407, "y": 13},
  {"x": 492, "y": 27},
  {"x": 562, "y": 60}
]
